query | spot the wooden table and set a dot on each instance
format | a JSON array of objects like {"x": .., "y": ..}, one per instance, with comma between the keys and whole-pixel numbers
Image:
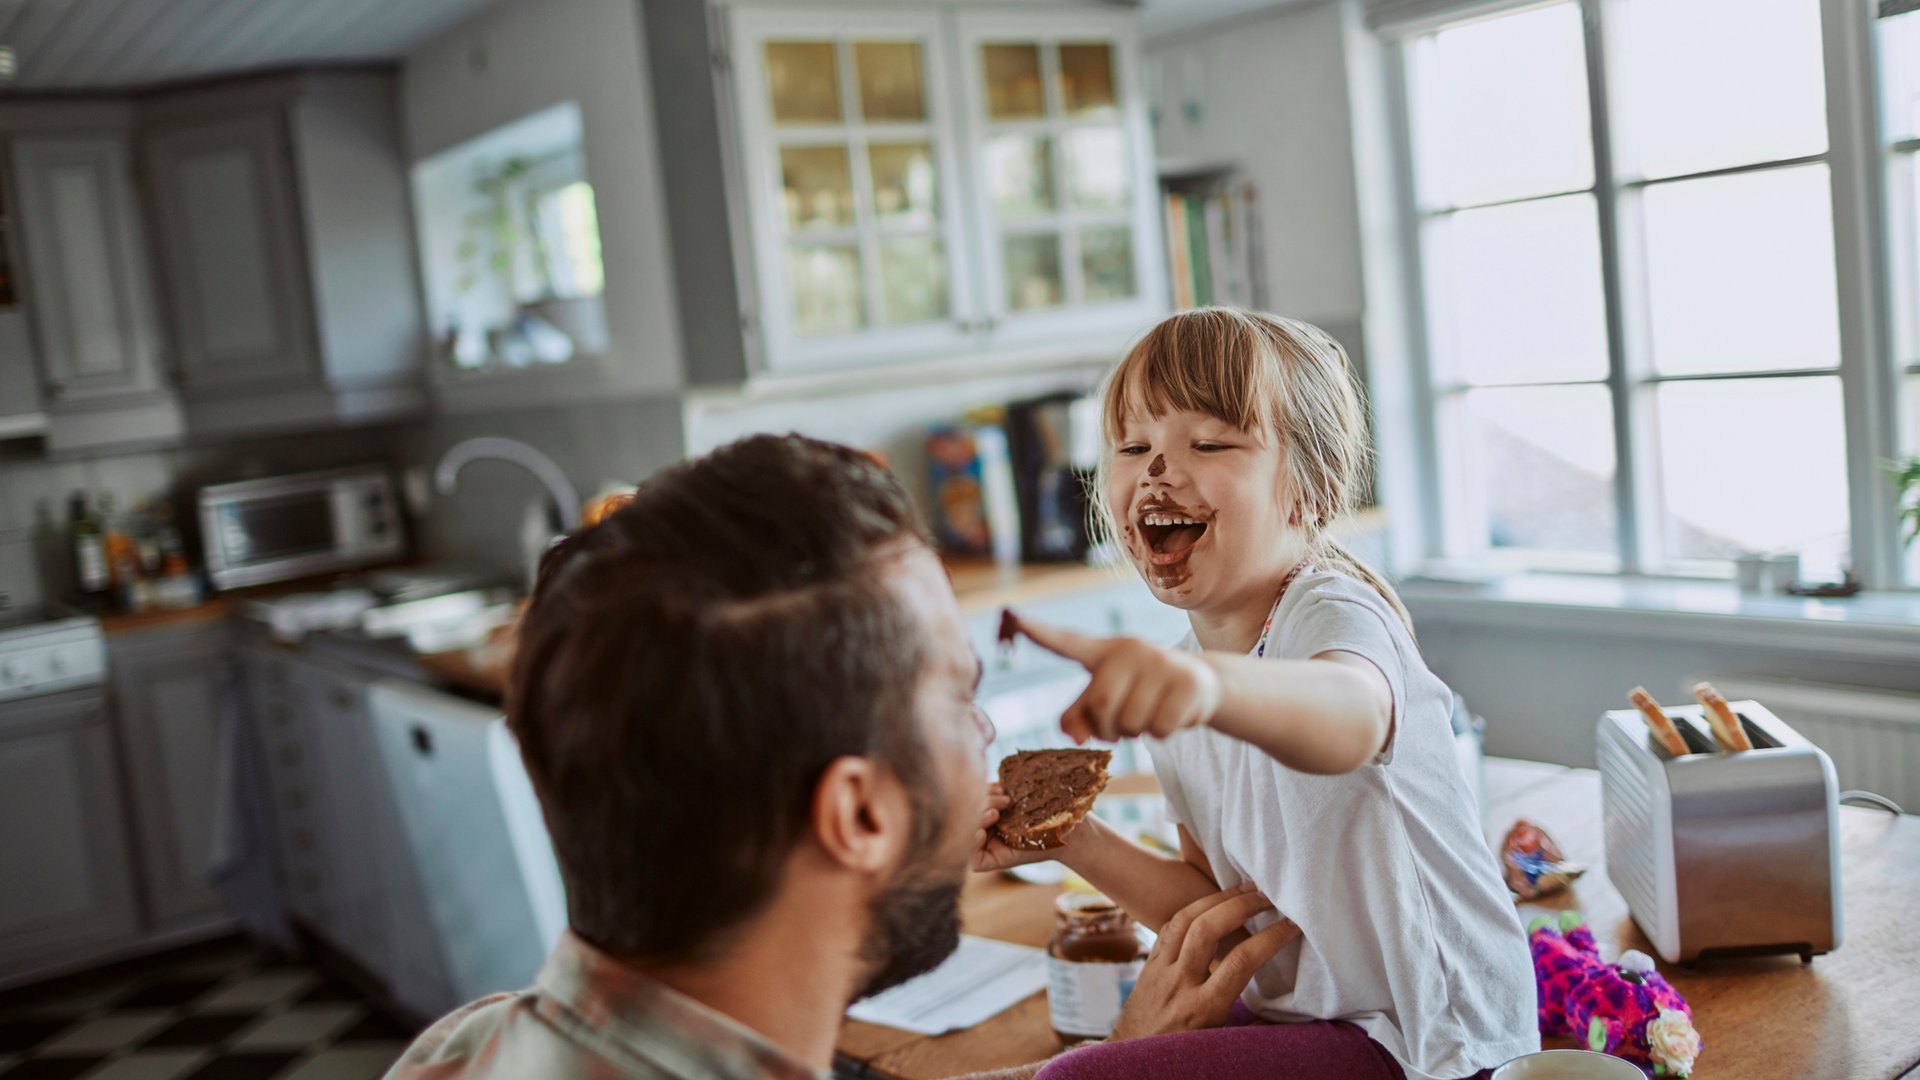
[{"x": 1854, "y": 1013}]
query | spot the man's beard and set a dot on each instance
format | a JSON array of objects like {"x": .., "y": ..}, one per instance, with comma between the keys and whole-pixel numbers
[{"x": 915, "y": 925}]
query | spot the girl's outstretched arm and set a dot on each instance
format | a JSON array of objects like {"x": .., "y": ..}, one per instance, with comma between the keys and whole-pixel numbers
[{"x": 1326, "y": 715}]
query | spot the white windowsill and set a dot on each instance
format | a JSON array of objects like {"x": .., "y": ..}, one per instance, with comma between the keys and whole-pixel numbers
[{"x": 1868, "y": 626}]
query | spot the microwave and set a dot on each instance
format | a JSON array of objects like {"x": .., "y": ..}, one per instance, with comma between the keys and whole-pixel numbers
[{"x": 260, "y": 531}]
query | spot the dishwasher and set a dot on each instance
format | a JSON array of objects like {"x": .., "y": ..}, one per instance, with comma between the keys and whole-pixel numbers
[{"x": 474, "y": 833}]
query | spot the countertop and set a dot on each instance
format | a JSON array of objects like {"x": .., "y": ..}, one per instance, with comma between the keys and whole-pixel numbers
[{"x": 980, "y": 585}]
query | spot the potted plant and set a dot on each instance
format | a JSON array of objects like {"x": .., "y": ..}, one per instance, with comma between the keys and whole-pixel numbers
[{"x": 1906, "y": 495}]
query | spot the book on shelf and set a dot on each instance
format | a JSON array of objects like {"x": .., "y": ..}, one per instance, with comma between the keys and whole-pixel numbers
[{"x": 1213, "y": 250}]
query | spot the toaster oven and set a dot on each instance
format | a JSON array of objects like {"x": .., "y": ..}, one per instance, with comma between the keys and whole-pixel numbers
[{"x": 260, "y": 531}]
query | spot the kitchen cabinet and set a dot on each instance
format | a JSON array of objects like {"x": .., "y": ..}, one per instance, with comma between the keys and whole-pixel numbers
[
  {"x": 170, "y": 687},
  {"x": 20, "y": 411},
  {"x": 348, "y": 873},
  {"x": 226, "y": 218},
  {"x": 285, "y": 229},
  {"x": 65, "y": 890},
  {"x": 942, "y": 183},
  {"x": 88, "y": 291}
]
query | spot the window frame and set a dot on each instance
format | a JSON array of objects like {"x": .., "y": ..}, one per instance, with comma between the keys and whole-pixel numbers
[{"x": 1859, "y": 162}]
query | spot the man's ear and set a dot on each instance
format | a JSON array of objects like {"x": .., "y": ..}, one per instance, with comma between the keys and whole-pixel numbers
[{"x": 861, "y": 816}]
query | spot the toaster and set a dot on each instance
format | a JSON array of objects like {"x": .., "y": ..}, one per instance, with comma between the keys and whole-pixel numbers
[{"x": 1721, "y": 854}]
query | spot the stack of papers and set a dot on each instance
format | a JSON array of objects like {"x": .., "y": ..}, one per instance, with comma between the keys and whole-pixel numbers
[{"x": 983, "y": 977}]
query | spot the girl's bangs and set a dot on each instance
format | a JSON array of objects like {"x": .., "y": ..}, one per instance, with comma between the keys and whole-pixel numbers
[{"x": 1205, "y": 367}]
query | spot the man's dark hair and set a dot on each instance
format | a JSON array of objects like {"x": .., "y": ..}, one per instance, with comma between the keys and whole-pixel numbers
[{"x": 688, "y": 668}]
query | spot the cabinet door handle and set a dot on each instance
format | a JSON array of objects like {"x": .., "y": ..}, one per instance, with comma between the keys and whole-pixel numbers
[
  {"x": 342, "y": 699},
  {"x": 290, "y": 755}
]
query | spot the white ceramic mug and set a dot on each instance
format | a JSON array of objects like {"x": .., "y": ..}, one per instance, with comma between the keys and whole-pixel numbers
[{"x": 1568, "y": 1065}]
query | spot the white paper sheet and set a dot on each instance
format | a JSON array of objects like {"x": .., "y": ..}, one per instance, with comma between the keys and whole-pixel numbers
[{"x": 982, "y": 977}]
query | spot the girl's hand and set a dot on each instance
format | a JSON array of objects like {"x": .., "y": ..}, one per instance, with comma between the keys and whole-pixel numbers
[
  {"x": 988, "y": 852},
  {"x": 1181, "y": 988},
  {"x": 1137, "y": 688}
]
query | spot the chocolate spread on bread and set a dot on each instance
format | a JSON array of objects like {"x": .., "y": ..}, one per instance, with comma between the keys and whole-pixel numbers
[{"x": 1051, "y": 791}]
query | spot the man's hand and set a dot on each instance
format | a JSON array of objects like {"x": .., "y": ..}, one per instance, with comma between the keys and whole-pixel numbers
[
  {"x": 989, "y": 853},
  {"x": 1182, "y": 988},
  {"x": 1137, "y": 687}
]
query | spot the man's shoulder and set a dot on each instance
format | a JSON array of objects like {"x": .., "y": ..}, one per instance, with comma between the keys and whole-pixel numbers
[{"x": 463, "y": 1043}]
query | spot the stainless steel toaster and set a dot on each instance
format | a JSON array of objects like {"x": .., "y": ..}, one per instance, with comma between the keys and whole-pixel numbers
[{"x": 1722, "y": 854}]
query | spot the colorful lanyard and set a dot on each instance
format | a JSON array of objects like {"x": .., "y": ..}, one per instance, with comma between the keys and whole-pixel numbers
[{"x": 1260, "y": 647}]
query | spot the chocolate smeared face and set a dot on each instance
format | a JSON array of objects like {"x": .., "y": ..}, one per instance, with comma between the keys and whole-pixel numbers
[{"x": 1201, "y": 508}]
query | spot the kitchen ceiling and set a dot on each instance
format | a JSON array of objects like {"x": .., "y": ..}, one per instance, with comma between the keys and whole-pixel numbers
[{"x": 105, "y": 44}]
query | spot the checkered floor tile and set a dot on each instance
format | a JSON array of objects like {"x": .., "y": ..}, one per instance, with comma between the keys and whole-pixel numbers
[{"x": 225, "y": 1011}]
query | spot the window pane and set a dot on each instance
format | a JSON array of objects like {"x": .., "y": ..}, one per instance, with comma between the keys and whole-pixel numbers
[
  {"x": 1086, "y": 79},
  {"x": 1903, "y": 205},
  {"x": 913, "y": 279},
  {"x": 1900, "y": 74},
  {"x": 1514, "y": 293},
  {"x": 1106, "y": 262},
  {"x": 1740, "y": 272},
  {"x": 804, "y": 82},
  {"x": 1097, "y": 168},
  {"x": 1753, "y": 465},
  {"x": 1535, "y": 465},
  {"x": 1033, "y": 271},
  {"x": 827, "y": 294},
  {"x": 890, "y": 81},
  {"x": 1500, "y": 108},
  {"x": 816, "y": 187},
  {"x": 1912, "y": 422},
  {"x": 1013, "y": 82},
  {"x": 1712, "y": 83},
  {"x": 904, "y": 183},
  {"x": 1020, "y": 175}
]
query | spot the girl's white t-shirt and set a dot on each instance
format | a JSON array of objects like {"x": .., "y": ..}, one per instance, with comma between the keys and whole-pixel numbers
[{"x": 1407, "y": 928}]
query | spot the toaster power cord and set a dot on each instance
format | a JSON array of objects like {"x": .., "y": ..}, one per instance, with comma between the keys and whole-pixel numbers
[{"x": 1871, "y": 799}]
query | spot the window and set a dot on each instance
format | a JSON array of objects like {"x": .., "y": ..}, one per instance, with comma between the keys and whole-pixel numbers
[
  {"x": 1899, "y": 40},
  {"x": 1627, "y": 278}
]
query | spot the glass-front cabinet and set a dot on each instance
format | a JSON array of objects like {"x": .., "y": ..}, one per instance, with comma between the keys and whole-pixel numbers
[{"x": 927, "y": 184}]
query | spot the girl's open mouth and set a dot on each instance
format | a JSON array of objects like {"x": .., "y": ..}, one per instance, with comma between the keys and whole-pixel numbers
[{"x": 1169, "y": 536}]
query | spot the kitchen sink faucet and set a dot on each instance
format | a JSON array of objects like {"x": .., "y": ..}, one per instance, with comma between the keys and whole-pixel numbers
[{"x": 564, "y": 508}]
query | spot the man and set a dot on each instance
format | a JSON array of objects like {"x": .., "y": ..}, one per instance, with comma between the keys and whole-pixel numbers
[{"x": 746, "y": 704}]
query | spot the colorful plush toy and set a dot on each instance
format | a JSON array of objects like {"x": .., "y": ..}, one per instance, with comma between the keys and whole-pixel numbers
[{"x": 1625, "y": 1009}]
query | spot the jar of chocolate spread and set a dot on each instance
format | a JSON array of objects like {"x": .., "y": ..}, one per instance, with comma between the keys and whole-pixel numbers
[{"x": 1093, "y": 961}]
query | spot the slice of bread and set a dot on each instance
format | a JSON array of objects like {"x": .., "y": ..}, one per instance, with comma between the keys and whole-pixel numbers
[{"x": 1052, "y": 790}]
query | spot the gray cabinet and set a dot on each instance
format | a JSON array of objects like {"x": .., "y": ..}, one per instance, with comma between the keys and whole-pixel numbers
[
  {"x": 169, "y": 689},
  {"x": 285, "y": 227},
  {"x": 19, "y": 377},
  {"x": 347, "y": 871},
  {"x": 226, "y": 219},
  {"x": 65, "y": 892},
  {"x": 90, "y": 295}
]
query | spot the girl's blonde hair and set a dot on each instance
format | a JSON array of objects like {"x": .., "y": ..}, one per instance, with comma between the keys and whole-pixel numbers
[{"x": 1276, "y": 377}]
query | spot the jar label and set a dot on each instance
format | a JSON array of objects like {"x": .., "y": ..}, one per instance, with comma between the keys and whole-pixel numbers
[{"x": 1085, "y": 997}]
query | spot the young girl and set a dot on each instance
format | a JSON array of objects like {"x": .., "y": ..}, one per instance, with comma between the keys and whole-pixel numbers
[{"x": 1300, "y": 740}]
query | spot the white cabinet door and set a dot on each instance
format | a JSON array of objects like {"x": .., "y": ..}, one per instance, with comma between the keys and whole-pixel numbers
[
  {"x": 228, "y": 231},
  {"x": 169, "y": 700},
  {"x": 1063, "y": 182},
  {"x": 65, "y": 886},
  {"x": 91, "y": 299},
  {"x": 849, "y": 146}
]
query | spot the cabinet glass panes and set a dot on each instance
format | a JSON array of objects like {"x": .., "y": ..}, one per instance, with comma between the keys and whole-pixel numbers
[
  {"x": 859, "y": 184},
  {"x": 1055, "y": 160}
]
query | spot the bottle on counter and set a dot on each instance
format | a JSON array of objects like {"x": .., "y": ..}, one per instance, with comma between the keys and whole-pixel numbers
[
  {"x": 88, "y": 542},
  {"x": 1093, "y": 960}
]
